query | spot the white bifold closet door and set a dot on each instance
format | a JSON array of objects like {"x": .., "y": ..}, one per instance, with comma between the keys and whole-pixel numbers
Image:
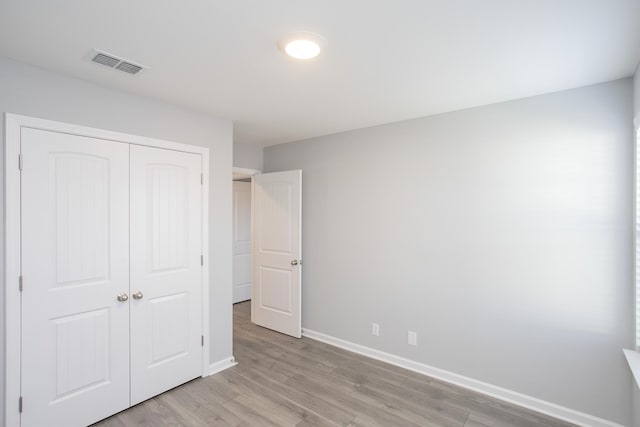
[
  {"x": 111, "y": 266},
  {"x": 75, "y": 261},
  {"x": 166, "y": 270}
]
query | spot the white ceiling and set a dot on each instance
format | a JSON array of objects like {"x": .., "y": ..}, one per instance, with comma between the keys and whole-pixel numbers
[{"x": 385, "y": 61}]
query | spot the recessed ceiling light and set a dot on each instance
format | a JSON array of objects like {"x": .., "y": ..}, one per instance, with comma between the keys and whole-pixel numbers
[
  {"x": 302, "y": 49},
  {"x": 302, "y": 45}
]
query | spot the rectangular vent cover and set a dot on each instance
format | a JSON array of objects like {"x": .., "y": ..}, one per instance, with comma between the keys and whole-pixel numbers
[
  {"x": 113, "y": 61},
  {"x": 103, "y": 59},
  {"x": 128, "y": 68}
]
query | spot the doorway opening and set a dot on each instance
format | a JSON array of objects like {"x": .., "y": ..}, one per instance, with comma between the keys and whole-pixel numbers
[{"x": 242, "y": 233}]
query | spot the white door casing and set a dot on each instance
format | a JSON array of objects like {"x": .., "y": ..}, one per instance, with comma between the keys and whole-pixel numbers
[
  {"x": 277, "y": 251},
  {"x": 75, "y": 261},
  {"x": 241, "y": 241},
  {"x": 166, "y": 270}
]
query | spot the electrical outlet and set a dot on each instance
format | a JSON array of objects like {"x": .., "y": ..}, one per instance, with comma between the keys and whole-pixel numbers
[
  {"x": 412, "y": 338},
  {"x": 375, "y": 329}
]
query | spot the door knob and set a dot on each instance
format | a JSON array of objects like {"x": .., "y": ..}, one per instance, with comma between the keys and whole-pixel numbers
[
  {"x": 137, "y": 295},
  {"x": 123, "y": 297},
  {"x": 296, "y": 262}
]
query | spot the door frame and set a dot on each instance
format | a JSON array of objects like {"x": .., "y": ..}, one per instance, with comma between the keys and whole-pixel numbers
[
  {"x": 12, "y": 258},
  {"x": 243, "y": 173}
]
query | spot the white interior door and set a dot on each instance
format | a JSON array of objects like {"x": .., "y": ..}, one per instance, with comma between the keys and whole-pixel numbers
[
  {"x": 166, "y": 270},
  {"x": 277, "y": 265},
  {"x": 75, "y": 261},
  {"x": 241, "y": 241}
]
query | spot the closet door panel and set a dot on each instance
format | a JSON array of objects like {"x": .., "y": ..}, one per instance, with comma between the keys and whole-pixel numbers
[
  {"x": 75, "y": 261},
  {"x": 166, "y": 271}
]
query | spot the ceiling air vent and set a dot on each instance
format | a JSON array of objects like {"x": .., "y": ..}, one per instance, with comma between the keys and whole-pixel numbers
[
  {"x": 113, "y": 61},
  {"x": 107, "y": 60},
  {"x": 129, "y": 68}
]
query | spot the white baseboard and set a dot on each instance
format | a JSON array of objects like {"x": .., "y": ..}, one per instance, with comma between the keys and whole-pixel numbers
[
  {"x": 510, "y": 396},
  {"x": 223, "y": 364},
  {"x": 241, "y": 293}
]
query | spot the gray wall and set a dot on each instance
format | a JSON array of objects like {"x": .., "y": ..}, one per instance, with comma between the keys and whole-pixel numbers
[
  {"x": 34, "y": 92},
  {"x": 636, "y": 114},
  {"x": 635, "y": 393},
  {"x": 502, "y": 235},
  {"x": 247, "y": 156},
  {"x": 636, "y": 97}
]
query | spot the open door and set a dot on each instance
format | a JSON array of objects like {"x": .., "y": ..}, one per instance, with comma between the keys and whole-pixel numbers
[{"x": 277, "y": 252}]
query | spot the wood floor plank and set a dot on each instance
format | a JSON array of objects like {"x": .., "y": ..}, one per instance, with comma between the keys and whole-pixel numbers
[
  {"x": 283, "y": 381},
  {"x": 336, "y": 414}
]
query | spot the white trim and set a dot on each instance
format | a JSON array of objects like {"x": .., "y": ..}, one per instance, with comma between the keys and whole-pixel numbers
[
  {"x": 13, "y": 124},
  {"x": 636, "y": 220},
  {"x": 206, "y": 348},
  {"x": 510, "y": 396},
  {"x": 633, "y": 359},
  {"x": 223, "y": 364},
  {"x": 241, "y": 173},
  {"x": 71, "y": 129},
  {"x": 12, "y": 270}
]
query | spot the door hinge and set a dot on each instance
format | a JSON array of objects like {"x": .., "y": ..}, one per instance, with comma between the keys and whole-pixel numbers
[
  {"x": 20, "y": 283},
  {"x": 201, "y": 179},
  {"x": 202, "y": 340},
  {"x": 20, "y": 404},
  {"x": 201, "y": 259},
  {"x": 19, "y": 161}
]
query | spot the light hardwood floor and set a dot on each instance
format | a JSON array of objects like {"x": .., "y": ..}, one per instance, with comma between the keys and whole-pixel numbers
[{"x": 283, "y": 381}]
